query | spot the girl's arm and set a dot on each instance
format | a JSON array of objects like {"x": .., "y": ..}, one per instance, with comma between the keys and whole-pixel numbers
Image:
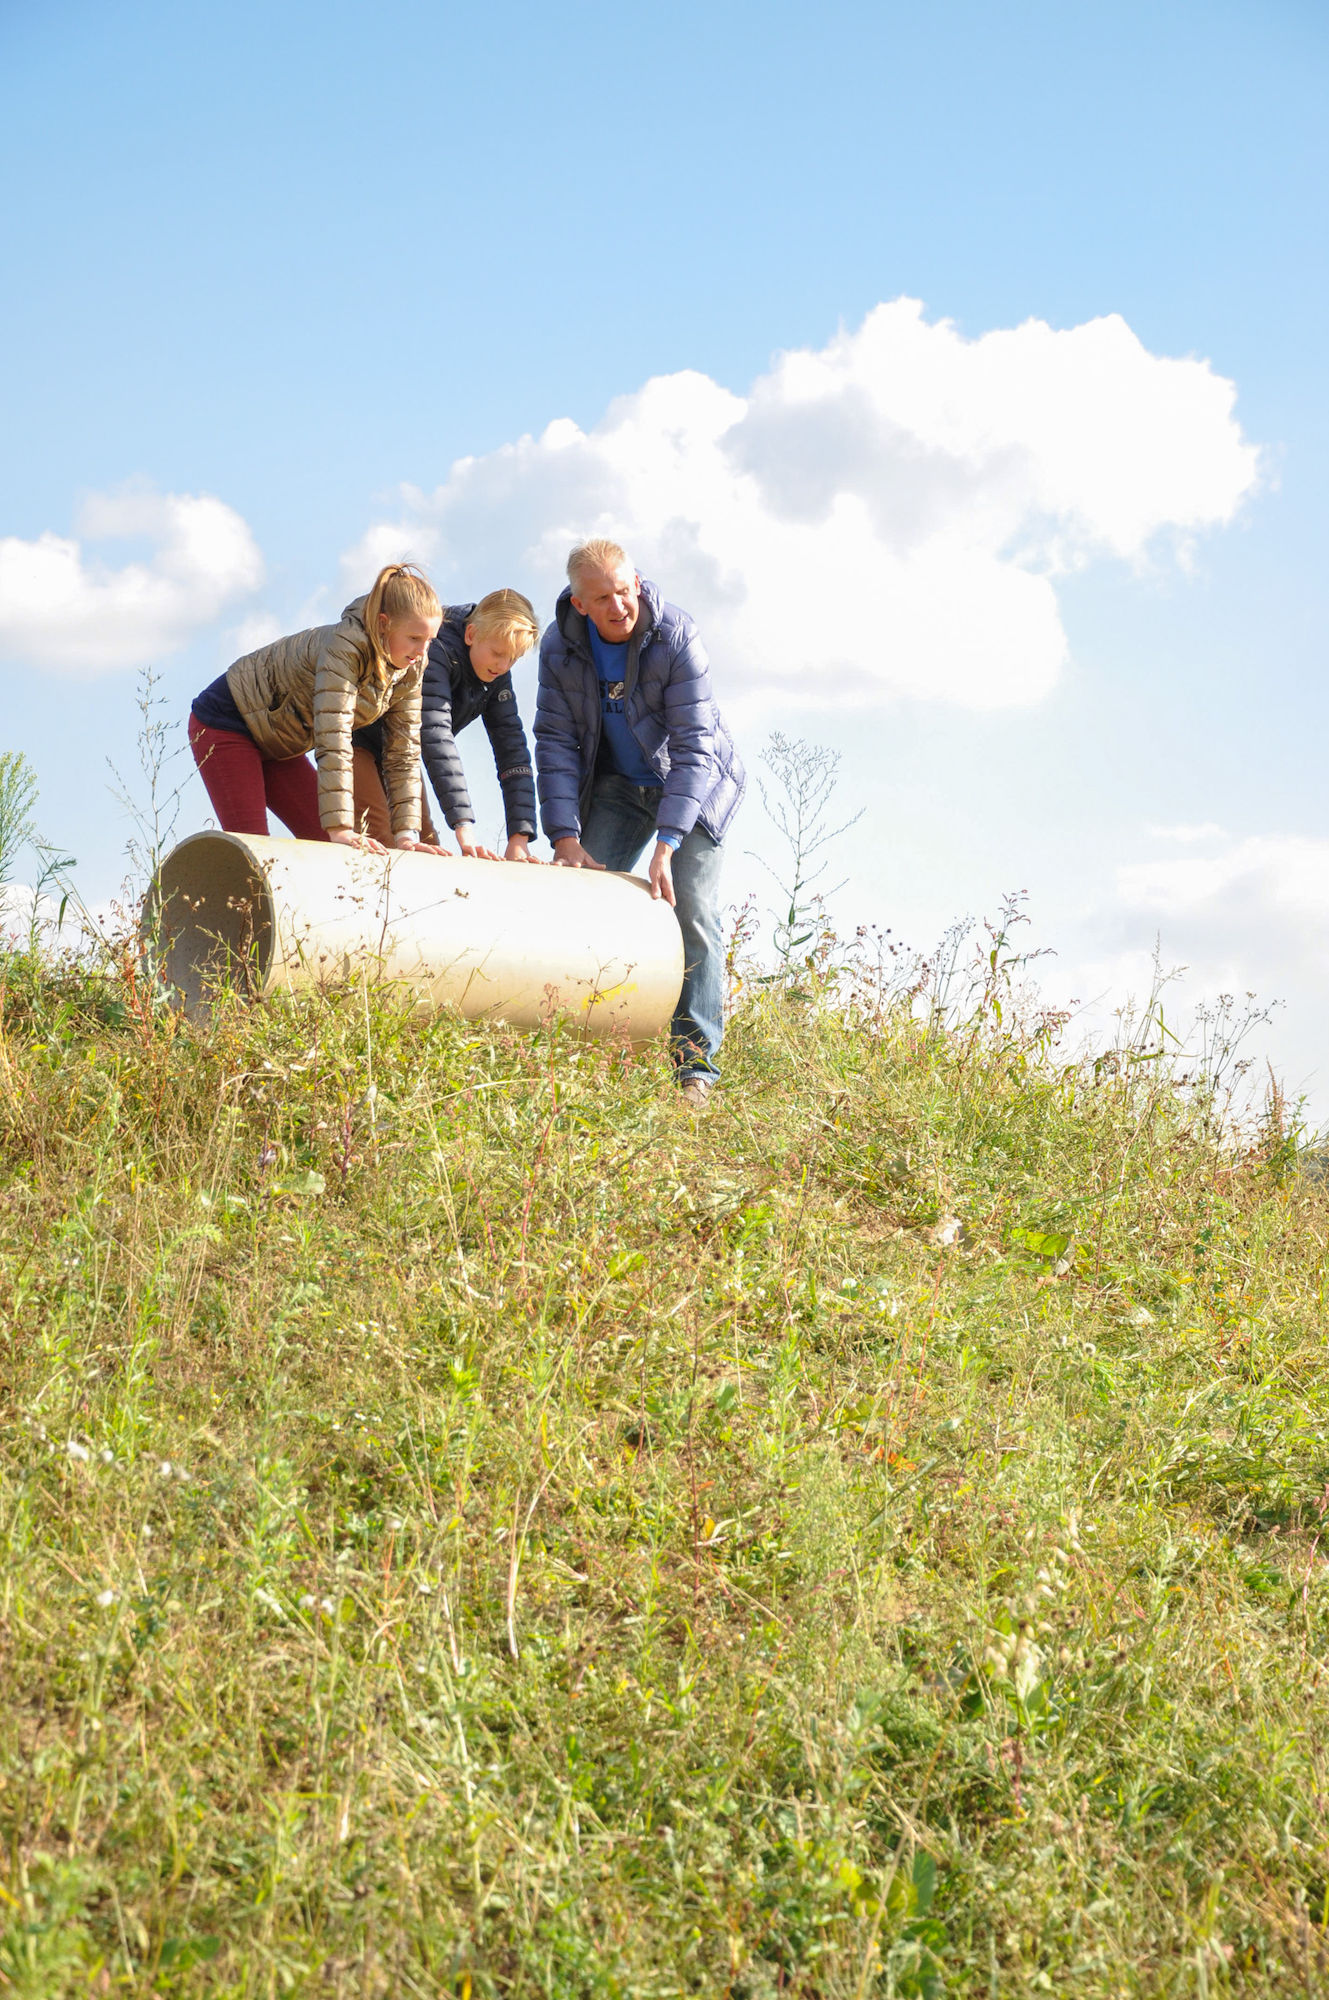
[
  {"x": 336, "y": 683},
  {"x": 401, "y": 761}
]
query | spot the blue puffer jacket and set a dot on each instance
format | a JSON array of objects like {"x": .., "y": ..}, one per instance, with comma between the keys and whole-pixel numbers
[
  {"x": 670, "y": 710},
  {"x": 452, "y": 695}
]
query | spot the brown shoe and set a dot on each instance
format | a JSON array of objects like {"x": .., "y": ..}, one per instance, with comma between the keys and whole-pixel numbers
[{"x": 696, "y": 1093}]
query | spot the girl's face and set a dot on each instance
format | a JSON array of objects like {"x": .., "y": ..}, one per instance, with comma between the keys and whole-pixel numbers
[
  {"x": 406, "y": 640},
  {"x": 489, "y": 657}
]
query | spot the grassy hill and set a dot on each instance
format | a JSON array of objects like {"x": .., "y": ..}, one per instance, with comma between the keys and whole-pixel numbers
[{"x": 468, "y": 1527}]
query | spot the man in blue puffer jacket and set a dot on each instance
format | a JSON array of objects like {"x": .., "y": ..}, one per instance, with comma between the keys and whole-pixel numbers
[{"x": 629, "y": 742}]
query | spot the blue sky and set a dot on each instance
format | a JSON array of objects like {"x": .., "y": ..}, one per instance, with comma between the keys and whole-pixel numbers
[{"x": 297, "y": 258}]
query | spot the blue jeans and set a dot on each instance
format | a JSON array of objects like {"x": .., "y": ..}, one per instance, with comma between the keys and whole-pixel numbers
[{"x": 620, "y": 821}]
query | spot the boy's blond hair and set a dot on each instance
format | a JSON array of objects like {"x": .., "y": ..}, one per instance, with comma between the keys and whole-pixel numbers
[
  {"x": 508, "y": 616},
  {"x": 598, "y": 553}
]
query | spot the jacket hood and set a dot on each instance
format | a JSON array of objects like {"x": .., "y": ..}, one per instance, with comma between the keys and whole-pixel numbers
[{"x": 355, "y": 610}]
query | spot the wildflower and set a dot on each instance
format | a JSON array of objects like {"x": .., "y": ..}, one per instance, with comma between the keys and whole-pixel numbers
[
  {"x": 79, "y": 1451},
  {"x": 107, "y": 1455},
  {"x": 105, "y": 1598}
]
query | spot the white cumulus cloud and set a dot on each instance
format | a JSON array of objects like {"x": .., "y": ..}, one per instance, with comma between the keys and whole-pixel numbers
[
  {"x": 887, "y": 515},
  {"x": 189, "y": 557}
]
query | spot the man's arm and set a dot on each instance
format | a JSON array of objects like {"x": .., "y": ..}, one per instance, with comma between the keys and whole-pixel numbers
[
  {"x": 689, "y": 720},
  {"x": 557, "y": 750}
]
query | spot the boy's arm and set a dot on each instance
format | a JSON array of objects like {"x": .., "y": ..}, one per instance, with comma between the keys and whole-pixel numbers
[
  {"x": 512, "y": 758},
  {"x": 438, "y": 746}
]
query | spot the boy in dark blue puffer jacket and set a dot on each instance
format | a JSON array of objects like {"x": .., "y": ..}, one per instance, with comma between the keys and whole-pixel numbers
[{"x": 468, "y": 674}]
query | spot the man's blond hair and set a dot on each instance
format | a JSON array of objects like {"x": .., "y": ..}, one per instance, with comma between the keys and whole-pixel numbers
[
  {"x": 509, "y": 617},
  {"x": 595, "y": 554}
]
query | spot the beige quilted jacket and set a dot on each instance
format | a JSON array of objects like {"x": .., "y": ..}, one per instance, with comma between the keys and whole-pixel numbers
[{"x": 311, "y": 690}]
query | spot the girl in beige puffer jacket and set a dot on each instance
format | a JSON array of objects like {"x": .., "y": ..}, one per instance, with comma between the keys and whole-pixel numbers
[{"x": 250, "y": 730}]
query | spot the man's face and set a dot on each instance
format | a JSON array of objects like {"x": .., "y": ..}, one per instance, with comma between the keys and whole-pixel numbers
[{"x": 610, "y": 598}]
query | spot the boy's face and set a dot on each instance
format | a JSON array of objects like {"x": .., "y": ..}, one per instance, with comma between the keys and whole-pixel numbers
[
  {"x": 491, "y": 657},
  {"x": 609, "y": 598}
]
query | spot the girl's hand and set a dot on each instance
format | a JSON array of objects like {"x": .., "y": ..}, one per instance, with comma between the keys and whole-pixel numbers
[
  {"x": 406, "y": 843},
  {"x": 519, "y": 849},
  {"x": 470, "y": 846},
  {"x": 346, "y": 836}
]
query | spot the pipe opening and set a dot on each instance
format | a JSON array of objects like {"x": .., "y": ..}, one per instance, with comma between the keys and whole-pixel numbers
[{"x": 208, "y": 921}]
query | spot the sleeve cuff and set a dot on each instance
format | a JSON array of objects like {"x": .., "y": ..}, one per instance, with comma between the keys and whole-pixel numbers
[{"x": 673, "y": 841}]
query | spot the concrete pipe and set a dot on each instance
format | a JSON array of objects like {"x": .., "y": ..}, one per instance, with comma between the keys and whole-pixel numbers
[{"x": 499, "y": 941}]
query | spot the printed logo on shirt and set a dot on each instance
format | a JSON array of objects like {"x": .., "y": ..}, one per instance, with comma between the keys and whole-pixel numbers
[{"x": 613, "y": 690}]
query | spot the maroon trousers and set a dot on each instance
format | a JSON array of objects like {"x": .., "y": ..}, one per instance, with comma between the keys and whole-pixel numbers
[{"x": 243, "y": 784}]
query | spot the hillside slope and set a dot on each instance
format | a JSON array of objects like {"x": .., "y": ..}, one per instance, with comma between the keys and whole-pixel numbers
[{"x": 469, "y": 1527}]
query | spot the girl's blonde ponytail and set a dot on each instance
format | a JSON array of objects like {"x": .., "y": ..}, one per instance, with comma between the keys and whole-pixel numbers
[{"x": 400, "y": 590}]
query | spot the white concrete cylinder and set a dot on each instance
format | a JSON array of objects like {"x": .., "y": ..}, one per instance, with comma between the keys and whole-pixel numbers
[{"x": 499, "y": 941}]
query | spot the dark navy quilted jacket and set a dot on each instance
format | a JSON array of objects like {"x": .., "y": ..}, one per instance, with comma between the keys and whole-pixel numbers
[
  {"x": 669, "y": 707},
  {"x": 452, "y": 695}
]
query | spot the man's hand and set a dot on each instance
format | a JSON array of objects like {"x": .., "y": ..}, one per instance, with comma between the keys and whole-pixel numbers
[
  {"x": 569, "y": 853},
  {"x": 474, "y": 850},
  {"x": 346, "y": 836},
  {"x": 662, "y": 874},
  {"x": 519, "y": 849},
  {"x": 429, "y": 847}
]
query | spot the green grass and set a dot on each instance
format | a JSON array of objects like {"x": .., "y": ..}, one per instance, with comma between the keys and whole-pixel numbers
[{"x": 468, "y": 1527}]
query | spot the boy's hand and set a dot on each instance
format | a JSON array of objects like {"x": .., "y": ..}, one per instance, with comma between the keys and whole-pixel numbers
[
  {"x": 474, "y": 849},
  {"x": 569, "y": 853},
  {"x": 662, "y": 874},
  {"x": 519, "y": 849}
]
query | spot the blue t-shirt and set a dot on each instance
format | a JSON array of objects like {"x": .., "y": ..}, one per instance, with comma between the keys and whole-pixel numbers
[{"x": 619, "y": 748}]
